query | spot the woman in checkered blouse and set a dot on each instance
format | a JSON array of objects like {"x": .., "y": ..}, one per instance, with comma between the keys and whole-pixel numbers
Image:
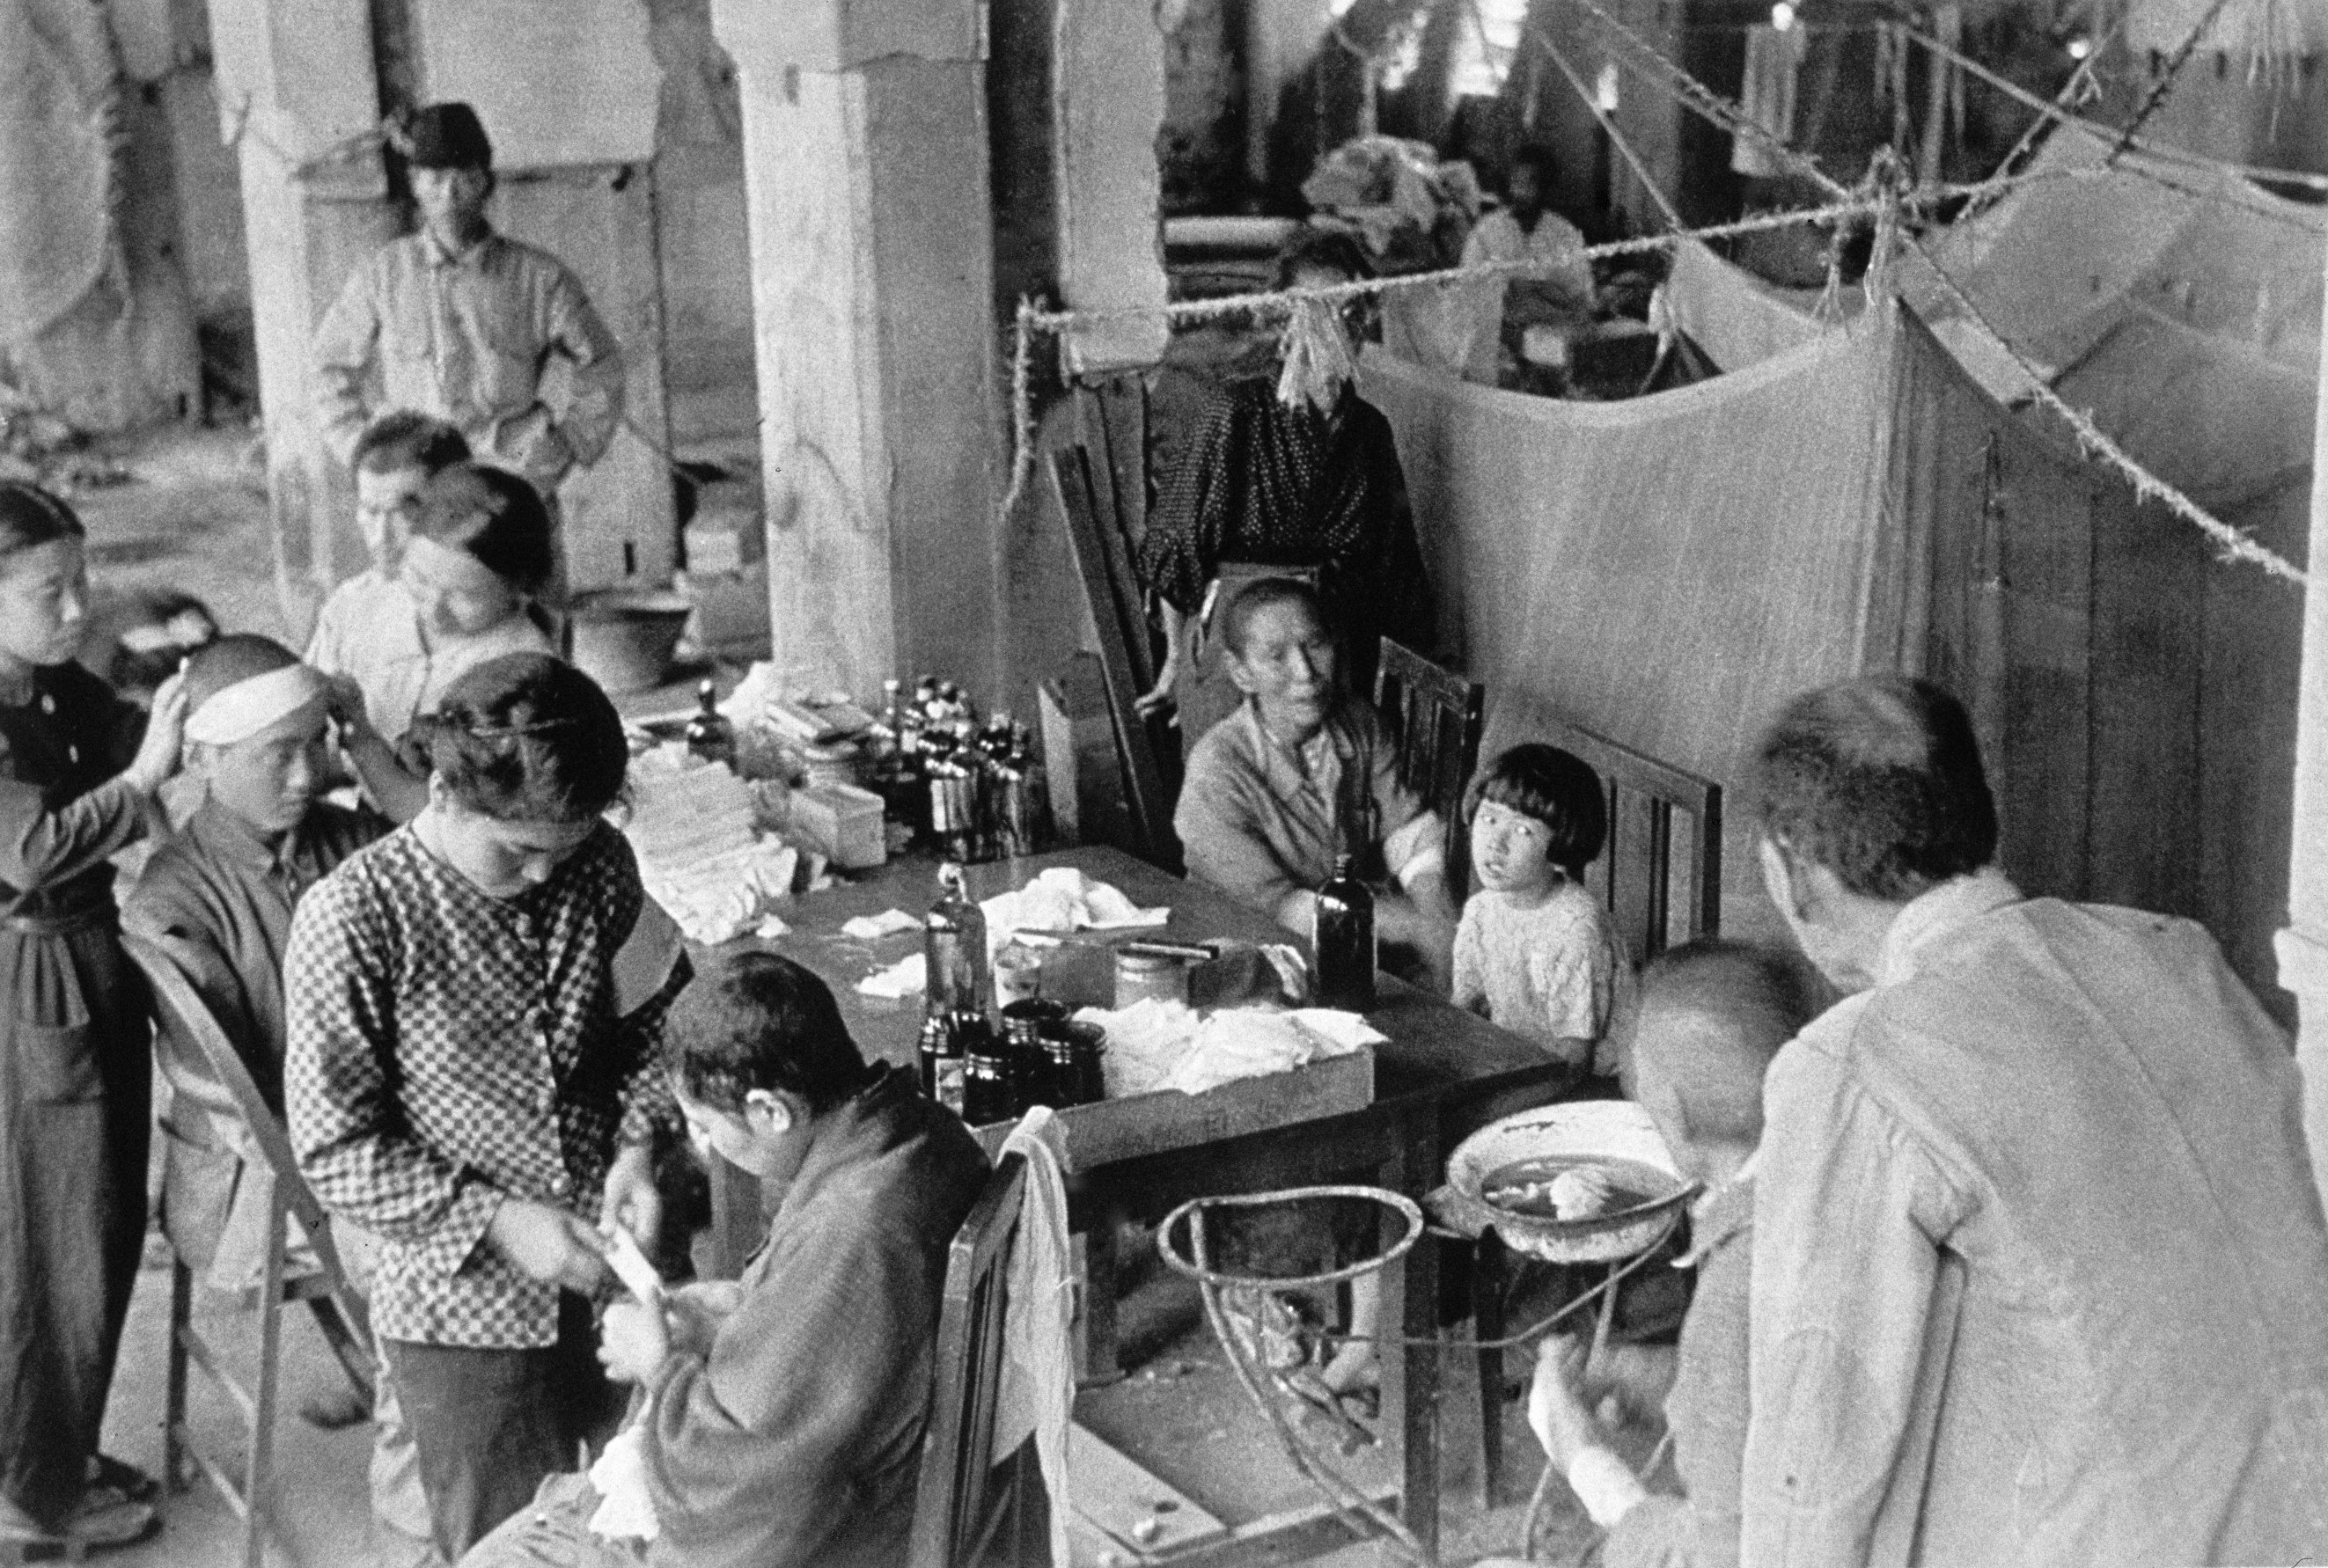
[{"x": 476, "y": 1015}]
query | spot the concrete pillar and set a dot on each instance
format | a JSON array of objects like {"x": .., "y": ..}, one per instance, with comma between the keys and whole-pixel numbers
[
  {"x": 1108, "y": 81},
  {"x": 581, "y": 186},
  {"x": 2303, "y": 945},
  {"x": 865, "y": 148},
  {"x": 295, "y": 86}
]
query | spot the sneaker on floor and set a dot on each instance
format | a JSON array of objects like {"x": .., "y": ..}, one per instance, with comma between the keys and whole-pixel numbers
[
  {"x": 104, "y": 1520},
  {"x": 124, "y": 1478}
]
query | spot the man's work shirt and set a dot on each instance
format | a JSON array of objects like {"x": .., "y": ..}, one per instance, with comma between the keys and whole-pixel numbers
[
  {"x": 1562, "y": 291},
  {"x": 226, "y": 895},
  {"x": 370, "y": 630},
  {"x": 796, "y": 1444},
  {"x": 2083, "y": 1116},
  {"x": 468, "y": 338},
  {"x": 1263, "y": 820}
]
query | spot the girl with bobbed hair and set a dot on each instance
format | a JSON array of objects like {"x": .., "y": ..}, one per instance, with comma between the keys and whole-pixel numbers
[
  {"x": 80, "y": 771},
  {"x": 474, "y": 1019}
]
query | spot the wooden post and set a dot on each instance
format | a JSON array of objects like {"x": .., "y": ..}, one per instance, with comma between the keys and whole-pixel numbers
[
  {"x": 1108, "y": 81},
  {"x": 296, "y": 81},
  {"x": 2303, "y": 947},
  {"x": 872, "y": 236}
]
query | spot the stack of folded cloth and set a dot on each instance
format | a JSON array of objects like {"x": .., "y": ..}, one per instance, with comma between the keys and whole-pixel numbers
[
  {"x": 691, "y": 826},
  {"x": 1154, "y": 1045}
]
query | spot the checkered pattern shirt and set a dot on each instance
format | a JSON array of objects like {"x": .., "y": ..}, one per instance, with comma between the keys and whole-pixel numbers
[{"x": 448, "y": 1049}]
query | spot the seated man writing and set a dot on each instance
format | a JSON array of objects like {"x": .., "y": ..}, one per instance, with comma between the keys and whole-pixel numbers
[
  {"x": 224, "y": 886},
  {"x": 781, "y": 1419},
  {"x": 1302, "y": 774},
  {"x": 1713, "y": 1016}
]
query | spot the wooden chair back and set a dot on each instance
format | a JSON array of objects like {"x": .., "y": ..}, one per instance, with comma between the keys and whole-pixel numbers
[
  {"x": 180, "y": 1010},
  {"x": 1434, "y": 720},
  {"x": 1661, "y": 872},
  {"x": 1087, "y": 500},
  {"x": 966, "y": 1496}
]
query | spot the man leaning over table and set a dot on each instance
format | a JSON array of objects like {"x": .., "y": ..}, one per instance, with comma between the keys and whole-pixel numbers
[
  {"x": 2039, "y": 1265},
  {"x": 781, "y": 1417}
]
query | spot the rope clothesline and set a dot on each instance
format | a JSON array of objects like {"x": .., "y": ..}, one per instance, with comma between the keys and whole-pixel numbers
[
  {"x": 2155, "y": 98},
  {"x": 2142, "y": 145}
]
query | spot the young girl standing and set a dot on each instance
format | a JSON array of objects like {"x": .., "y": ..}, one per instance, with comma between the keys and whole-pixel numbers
[
  {"x": 1535, "y": 951},
  {"x": 474, "y": 1015},
  {"x": 77, "y": 785}
]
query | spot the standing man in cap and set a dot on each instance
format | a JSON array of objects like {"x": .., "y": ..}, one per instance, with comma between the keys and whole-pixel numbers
[{"x": 461, "y": 323}]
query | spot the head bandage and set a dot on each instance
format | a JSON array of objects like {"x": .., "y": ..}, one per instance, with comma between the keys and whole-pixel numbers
[{"x": 240, "y": 711}]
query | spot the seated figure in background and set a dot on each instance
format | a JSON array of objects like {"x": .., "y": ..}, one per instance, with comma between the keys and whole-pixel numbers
[
  {"x": 1560, "y": 297},
  {"x": 1302, "y": 774},
  {"x": 783, "y": 1416},
  {"x": 1536, "y": 951},
  {"x": 1713, "y": 1016}
]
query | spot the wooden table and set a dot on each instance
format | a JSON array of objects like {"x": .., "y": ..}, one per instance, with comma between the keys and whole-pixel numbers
[{"x": 1442, "y": 1073}]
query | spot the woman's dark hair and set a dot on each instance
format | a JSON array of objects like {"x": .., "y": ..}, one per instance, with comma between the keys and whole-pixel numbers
[
  {"x": 1555, "y": 788},
  {"x": 493, "y": 515},
  {"x": 1880, "y": 780},
  {"x": 525, "y": 738},
  {"x": 401, "y": 438},
  {"x": 760, "y": 1021},
  {"x": 1542, "y": 162},
  {"x": 1325, "y": 248},
  {"x": 1250, "y": 600},
  {"x": 30, "y": 517}
]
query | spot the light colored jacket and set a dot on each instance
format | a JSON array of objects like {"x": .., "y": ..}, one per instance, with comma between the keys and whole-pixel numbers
[{"x": 2081, "y": 1113}]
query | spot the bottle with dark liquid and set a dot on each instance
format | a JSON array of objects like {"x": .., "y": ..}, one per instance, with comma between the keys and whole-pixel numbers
[
  {"x": 709, "y": 735},
  {"x": 1344, "y": 940}
]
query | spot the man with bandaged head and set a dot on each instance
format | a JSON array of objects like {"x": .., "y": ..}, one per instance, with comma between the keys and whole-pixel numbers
[{"x": 224, "y": 886}]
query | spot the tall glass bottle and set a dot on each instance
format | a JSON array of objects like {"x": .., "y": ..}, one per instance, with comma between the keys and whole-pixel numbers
[
  {"x": 1344, "y": 940},
  {"x": 953, "y": 942}
]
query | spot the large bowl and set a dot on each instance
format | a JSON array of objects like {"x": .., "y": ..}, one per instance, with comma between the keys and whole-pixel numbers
[
  {"x": 1585, "y": 1129},
  {"x": 623, "y": 636}
]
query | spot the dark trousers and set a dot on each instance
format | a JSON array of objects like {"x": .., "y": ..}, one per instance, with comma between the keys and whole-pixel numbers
[
  {"x": 75, "y": 1100},
  {"x": 491, "y": 1426}
]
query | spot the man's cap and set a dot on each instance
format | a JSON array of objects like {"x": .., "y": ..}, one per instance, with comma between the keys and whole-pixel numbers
[{"x": 448, "y": 136}]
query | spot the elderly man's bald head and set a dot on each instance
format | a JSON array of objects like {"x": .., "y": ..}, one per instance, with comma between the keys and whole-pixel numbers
[{"x": 1712, "y": 1014}]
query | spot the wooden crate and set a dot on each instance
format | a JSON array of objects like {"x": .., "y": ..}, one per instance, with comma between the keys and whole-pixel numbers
[{"x": 1165, "y": 1119}]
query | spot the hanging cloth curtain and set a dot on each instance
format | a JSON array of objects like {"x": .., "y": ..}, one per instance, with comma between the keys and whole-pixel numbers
[{"x": 1774, "y": 65}]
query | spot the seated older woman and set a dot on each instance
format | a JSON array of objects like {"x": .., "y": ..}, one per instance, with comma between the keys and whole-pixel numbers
[{"x": 1300, "y": 774}]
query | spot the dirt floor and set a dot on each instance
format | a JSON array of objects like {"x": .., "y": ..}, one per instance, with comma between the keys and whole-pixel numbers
[{"x": 192, "y": 518}]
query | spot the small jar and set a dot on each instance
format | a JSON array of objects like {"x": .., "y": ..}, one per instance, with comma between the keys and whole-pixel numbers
[
  {"x": 1017, "y": 976},
  {"x": 1025, "y": 1023},
  {"x": 1077, "y": 1050},
  {"x": 989, "y": 1087},
  {"x": 1144, "y": 976}
]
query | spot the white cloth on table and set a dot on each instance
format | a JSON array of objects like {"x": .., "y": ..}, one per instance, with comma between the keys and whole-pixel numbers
[
  {"x": 1155, "y": 1045},
  {"x": 901, "y": 979},
  {"x": 1038, "y": 1394},
  {"x": 873, "y": 927},
  {"x": 1063, "y": 900}
]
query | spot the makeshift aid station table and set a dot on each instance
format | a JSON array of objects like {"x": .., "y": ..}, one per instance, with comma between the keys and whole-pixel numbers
[{"x": 1442, "y": 1073}]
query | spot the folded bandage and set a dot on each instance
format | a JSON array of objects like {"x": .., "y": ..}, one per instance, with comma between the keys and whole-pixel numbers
[{"x": 240, "y": 711}]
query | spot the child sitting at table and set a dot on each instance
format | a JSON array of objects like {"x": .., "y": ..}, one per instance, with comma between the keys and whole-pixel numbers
[
  {"x": 1535, "y": 951},
  {"x": 475, "y": 1008}
]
